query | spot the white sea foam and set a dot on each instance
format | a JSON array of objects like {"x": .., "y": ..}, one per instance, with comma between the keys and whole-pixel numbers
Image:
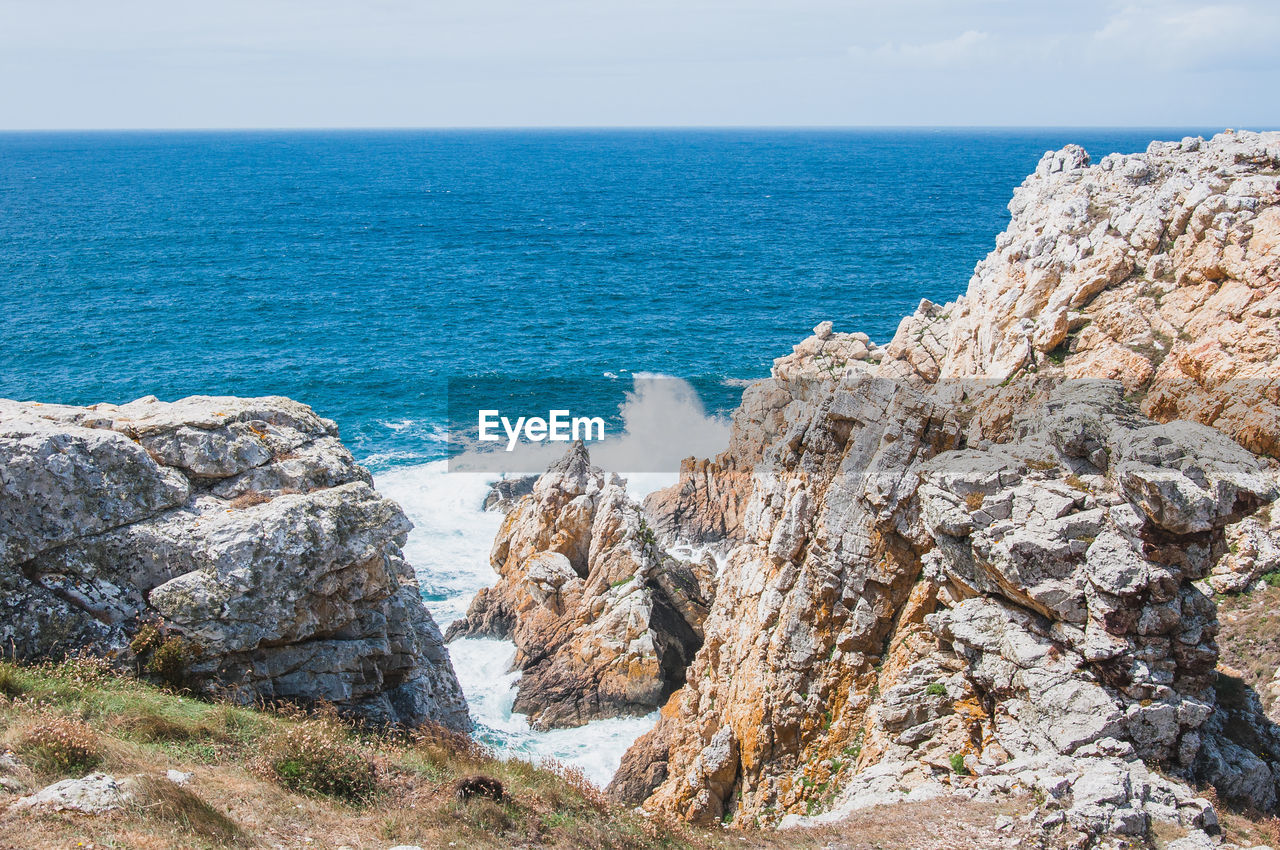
[{"x": 449, "y": 549}]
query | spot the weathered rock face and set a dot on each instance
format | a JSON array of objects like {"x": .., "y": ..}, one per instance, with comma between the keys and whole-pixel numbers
[
  {"x": 1067, "y": 561},
  {"x": 1158, "y": 269},
  {"x": 243, "y": 525},
  {"x": 604, "y": 623},
  {"x": 707, "y": 504},
  {"x": 901, "y": 602},
  {"x": 804, "y": 606},
  {"x": 950, "y": 558}
]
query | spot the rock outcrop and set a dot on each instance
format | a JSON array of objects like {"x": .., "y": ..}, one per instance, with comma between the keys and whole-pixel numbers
[
  {"x": 604, "y": 623},
  {"x": 1157, "y": 269},
  {"x": 242, "y": 528},
  {"x": 978, "y": 565}
]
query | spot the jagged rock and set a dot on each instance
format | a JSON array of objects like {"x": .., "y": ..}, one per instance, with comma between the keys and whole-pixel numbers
[
  {"x": 1057, "y": 607},
  {"x": 603, "y": 621},
  {"x": 93, "y": 795},
  {"x": 804, "y": 604},
  {"x": 707, "y": 504},
  {"x": 243, "y": 526},
  {"x": 827, "y": 354},
  {"x": 1253, "y": 550},
  {"x": 506, "y": 492},
  {"x": 1166, "y": 283}
]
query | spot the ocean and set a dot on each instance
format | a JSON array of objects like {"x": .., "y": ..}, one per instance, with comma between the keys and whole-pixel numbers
[{"x": 367, "y": 272}]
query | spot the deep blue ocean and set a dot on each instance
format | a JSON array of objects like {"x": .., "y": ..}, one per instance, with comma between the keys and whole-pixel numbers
[
  {"x": 369, "y": 274},
  {"x": 356, "y": 271}
]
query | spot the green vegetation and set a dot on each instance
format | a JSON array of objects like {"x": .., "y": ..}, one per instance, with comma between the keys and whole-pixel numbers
[
  {"x": 957, "y": 764},
  {"x": 294, "y": 776},
  {"x": 936, "y": 689},
  {"x": 318, "y": 758}
]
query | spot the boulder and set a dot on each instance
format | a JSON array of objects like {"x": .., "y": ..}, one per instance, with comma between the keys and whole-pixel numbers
[{"x": 241, "y": 528}]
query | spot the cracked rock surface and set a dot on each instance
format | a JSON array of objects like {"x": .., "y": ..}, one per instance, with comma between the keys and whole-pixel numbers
[{"x": 242, "y": 526}]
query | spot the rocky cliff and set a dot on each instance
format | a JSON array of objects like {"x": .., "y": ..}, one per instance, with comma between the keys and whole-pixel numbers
[
  {"x": 974, "y": 561},
  {"x": 604, "y": 622},
  {"x": 231, "y": 544}
]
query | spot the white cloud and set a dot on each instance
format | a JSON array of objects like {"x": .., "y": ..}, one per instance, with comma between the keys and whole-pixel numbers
[
  {"x": 962, "y": 49},
  {"x": 1170, "y": 36}
]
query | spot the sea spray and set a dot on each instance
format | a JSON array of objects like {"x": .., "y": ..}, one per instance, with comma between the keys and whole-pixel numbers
[{"x": 449, "y": 549}]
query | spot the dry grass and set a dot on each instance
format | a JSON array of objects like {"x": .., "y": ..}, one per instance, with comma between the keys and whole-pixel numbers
[
  {"x": 248, "y": 499},
  {"x": 1249, "y": 637},
  {"x": 233, "y": 802},
  {"x": 57, "y": 747}
]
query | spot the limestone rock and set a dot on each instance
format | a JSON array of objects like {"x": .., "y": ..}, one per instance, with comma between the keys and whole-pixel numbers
[
  {"x": 506, "y": 492},
  {"x": 241, "y": 525},
  {"x": 604, "y": 622},
  {"x": 803, "y": 605},
  {"x": 1253, "y": 550},
  {"x": 1167, "y": 283},
  {"x": 93, "y": 795}
]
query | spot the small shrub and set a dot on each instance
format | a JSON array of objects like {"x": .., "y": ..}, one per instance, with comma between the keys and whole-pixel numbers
[
  {"x": 171, "y": 661},
  {"x": 1272, "y": 579},
  {"x": 646, "y": 534},
  {"x": 11, "y": 682},
  {"x": 974, "y": 501},
  {"x": 60, "y": 746},
  {"x": 936, "y": 689},
  {"x": 147, "y": 639},
  {"x": 957, "y": 764},
  {"x": 479, "y": 786},
  {"x": 317, "y": 758}
]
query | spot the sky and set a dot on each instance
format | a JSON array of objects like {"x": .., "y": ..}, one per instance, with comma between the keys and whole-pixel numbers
[{"x": 72, "y": 64}]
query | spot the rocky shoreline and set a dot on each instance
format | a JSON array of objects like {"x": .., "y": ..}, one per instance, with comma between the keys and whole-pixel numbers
[{"x": 979, "y": 560}]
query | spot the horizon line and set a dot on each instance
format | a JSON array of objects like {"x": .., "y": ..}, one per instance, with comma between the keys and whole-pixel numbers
[{"x": 617, "y": 127}]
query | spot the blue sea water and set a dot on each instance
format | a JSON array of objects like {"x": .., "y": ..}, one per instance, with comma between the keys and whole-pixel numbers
[{"x": 360, "y": 271}]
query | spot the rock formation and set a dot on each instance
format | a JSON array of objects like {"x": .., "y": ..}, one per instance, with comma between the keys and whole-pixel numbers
[
  {"x": 978, "y": 566},
  {"x": 1157, "y": 269},
  {"x": 240, "y": 527},
  {"x": 604, "y": 623}
]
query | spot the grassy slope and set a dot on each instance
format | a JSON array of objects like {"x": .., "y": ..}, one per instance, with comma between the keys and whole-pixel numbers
[
  {"x": 130, "y": 727},
  {"x": 235, "y": 800},
  {"x": 92, "y": 719},
  {"x": 1249, "y": 636}
]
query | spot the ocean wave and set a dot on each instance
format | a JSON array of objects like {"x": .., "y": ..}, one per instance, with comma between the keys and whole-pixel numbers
[{"x": 449, "y": 550}]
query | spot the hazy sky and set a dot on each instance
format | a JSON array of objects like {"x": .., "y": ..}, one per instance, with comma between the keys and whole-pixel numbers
[{"x": 319, "y": 63}]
